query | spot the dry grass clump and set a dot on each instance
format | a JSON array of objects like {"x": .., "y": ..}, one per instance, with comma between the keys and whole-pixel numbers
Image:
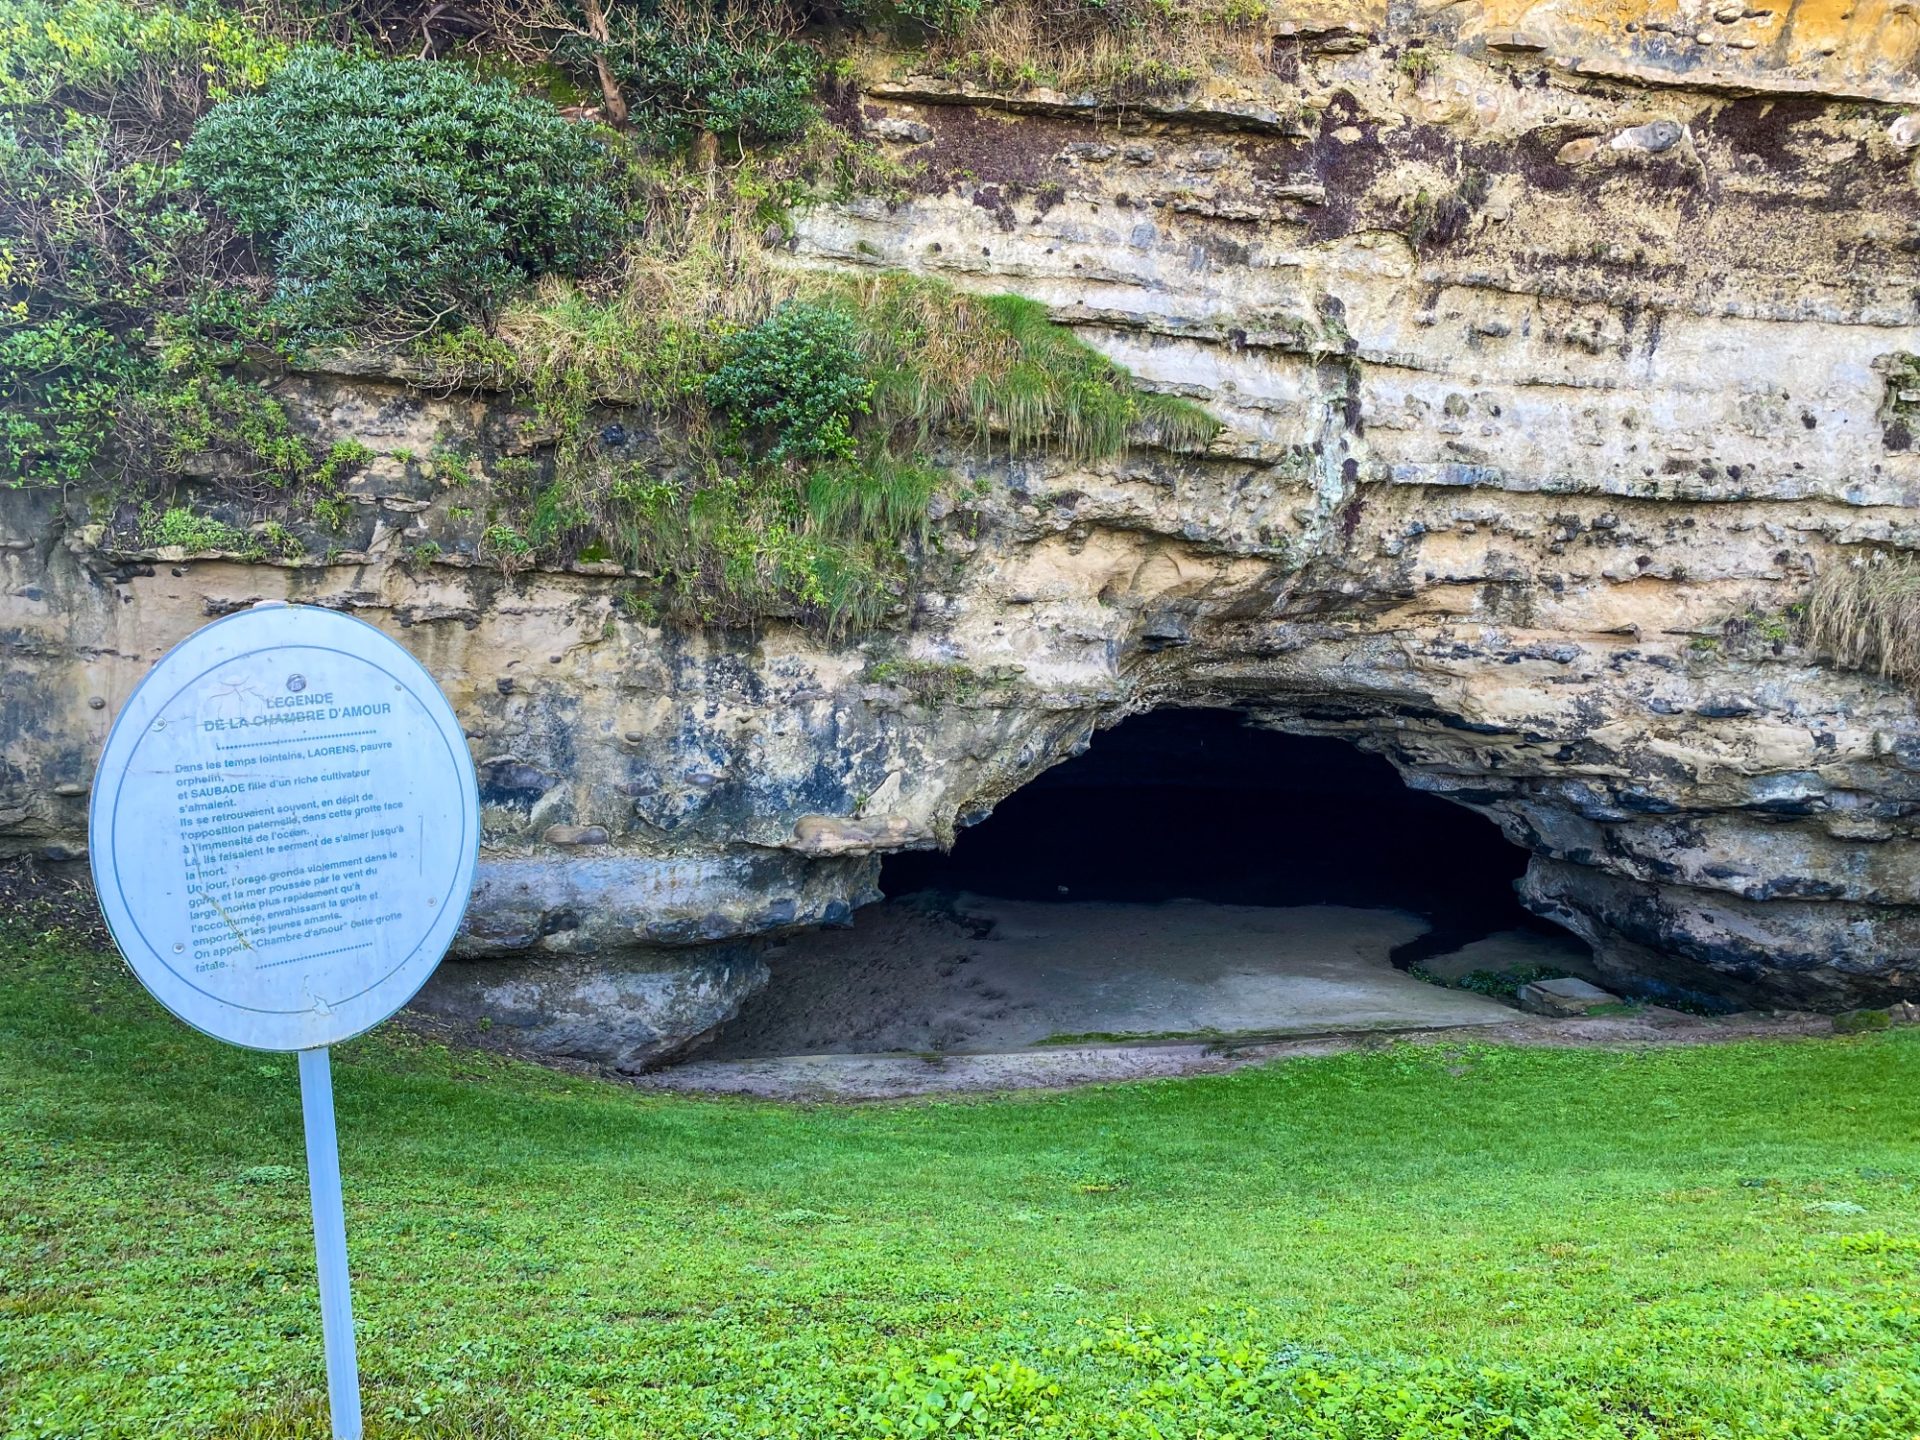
[
  {"x": 1125, "y": 50},
  {"x": 1865, "y": 615}
]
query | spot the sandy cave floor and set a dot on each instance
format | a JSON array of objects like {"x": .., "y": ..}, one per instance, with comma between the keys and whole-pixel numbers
[
  {"x": 953, "y": 972},
  {"x": 951, "y": 992}
]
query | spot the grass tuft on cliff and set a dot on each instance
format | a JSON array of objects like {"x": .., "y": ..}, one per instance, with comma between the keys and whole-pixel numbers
[
  {"x": 1426, "y": 1243},
  {"x": 797, "y": 424},
  {"x": 1119, "y": 50},
  {"x": 1865, "y": 615}
]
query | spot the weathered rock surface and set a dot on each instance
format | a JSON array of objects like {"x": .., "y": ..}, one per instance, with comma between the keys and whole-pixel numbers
[
  {"x": 1552, "y": 376},
  {"x": 1570, "y": 996},
  {"x": 622, "y": 1007}
]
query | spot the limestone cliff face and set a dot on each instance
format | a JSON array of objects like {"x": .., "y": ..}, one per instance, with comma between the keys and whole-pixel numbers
[{"x": 1555, "y": 366}]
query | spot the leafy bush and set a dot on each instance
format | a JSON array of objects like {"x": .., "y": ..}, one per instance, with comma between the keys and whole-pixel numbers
[
  {"x": 102, "y": 246},
  {"x": 731, "y": 67},
  {"x": 203, "y": 410},
  {"x": 92, "y": 50},
  {"x": 405, "y": 187},
  {"x": 349, "y": 259},
  {"x": 678, "y": 83},
  {"x": 918, "y": 18},
  {"x": 60, "y": 387},
  {"x": 94, "y": 98},
  {"x": 179, "y": 525},
  {"x": 796, "y": 382}
]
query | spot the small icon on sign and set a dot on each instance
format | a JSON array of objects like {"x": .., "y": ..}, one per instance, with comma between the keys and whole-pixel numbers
[{"x": 296, "y": 683}]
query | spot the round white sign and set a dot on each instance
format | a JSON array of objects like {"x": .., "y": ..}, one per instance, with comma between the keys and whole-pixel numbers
[{"x": 284, "y": 828}]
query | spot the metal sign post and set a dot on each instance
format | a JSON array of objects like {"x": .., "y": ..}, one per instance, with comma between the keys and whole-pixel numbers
[
  {"x": 284, "y": 831},
  {"x": 330, "y": 1242}
]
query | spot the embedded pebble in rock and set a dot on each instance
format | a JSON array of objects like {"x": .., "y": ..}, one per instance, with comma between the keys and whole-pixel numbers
[
  {"x": 1656, "y": 138},
  {"x": 576, "y": 835},
  {"x": 900, "y": 132}
]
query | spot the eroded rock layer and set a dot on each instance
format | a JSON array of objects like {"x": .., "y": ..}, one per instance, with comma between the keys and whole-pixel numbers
[{"x": 1555, "y": 367}]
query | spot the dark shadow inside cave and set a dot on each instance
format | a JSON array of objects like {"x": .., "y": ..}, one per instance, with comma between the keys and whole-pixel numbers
[
  {"x": 1188, "y": 876},
  {"x": 1198, "y": 805}
]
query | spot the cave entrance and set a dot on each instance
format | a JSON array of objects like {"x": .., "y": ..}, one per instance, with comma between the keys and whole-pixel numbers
[{"x": 1189, "y": 874}]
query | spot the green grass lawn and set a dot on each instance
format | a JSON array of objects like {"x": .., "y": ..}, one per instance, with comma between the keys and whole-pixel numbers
[{"x": 1458, "y": 1241}]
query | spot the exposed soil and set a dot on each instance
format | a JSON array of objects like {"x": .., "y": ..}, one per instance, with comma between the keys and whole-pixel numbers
[{"x": 51, "y": 895}]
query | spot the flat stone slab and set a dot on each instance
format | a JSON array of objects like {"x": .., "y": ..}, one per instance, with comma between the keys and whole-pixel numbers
[{"x": 1569, "y": 996}]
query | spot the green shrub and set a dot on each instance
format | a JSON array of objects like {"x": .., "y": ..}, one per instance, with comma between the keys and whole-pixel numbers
[
  {"x": 795, "y": 383},
  {"x": 205, "y": 410},
  {"x": 409, "y": 188},
  {"x": 345, "y": 459},
  {"x": 95, "y": 96},
  {"x": 60, "y": 385},
  {"x": 349, "y": 259},
  {"x": 735, "y": 80},
  {"x": 911, "y": 19},
  {"x": 115, "y": 275},
  {"x": 180, "y": 525},
  {"x": 92, "y": 50}
]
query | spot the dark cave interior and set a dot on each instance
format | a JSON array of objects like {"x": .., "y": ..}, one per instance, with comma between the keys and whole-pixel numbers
[{"x": 1198, "y": 805}]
